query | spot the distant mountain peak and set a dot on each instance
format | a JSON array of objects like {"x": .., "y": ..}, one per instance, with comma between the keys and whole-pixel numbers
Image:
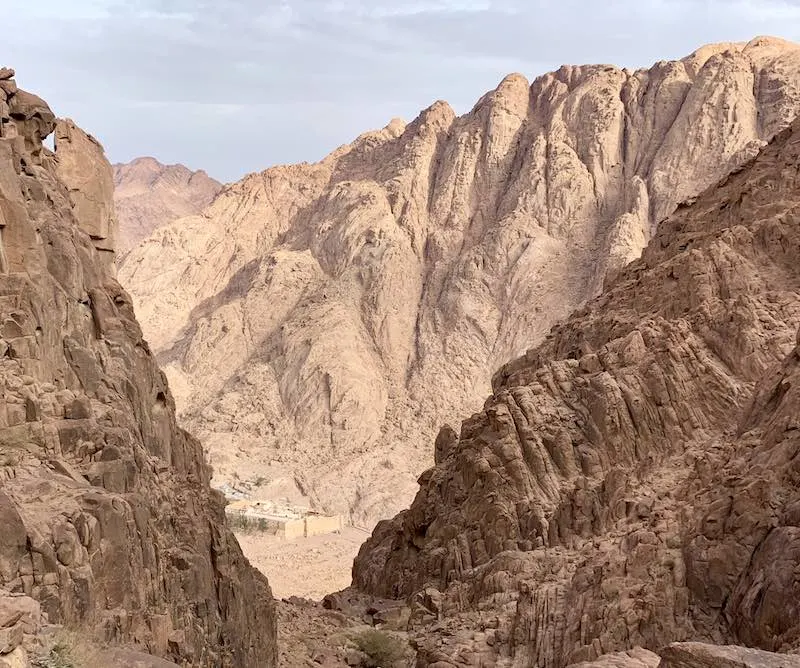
[{"x": 149, "y": 194}]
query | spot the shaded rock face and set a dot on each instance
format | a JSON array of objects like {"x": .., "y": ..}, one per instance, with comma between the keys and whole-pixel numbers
[
  {"x": 327, "y": 318},
  {"x": 635, "y": 479},
  {"x": 108, "y": 521},
  {"x": 148, "y": 195}
]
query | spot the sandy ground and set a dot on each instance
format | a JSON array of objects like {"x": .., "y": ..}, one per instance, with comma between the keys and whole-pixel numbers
[{"x": 305, "y": 567}]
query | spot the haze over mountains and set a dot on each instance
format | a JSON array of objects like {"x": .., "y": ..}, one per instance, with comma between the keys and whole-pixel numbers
[
  {"x": 320, "y": 322},
  {"x": 631, "y": 485},
  {"x": 148, "y": 195}
]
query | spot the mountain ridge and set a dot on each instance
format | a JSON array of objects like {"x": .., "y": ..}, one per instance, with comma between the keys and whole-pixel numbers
[
  {"x": 631, "y": 481},
  {"x": 305, "y": 315},
  {"x": 149, "y": 194},
  {"x": 109, "y": 526}
]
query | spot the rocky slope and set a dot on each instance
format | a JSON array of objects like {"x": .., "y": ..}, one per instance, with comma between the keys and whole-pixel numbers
[
  {"x": 635, "y": 479},
  {"x": 109, "y": 526},
  {"x": 319, "y": 322},
  {"x": 148, "y": 195}
]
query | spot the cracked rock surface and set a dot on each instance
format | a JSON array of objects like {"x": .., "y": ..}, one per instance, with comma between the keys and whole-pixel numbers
[
  {"x": 319, "y": 322},
  {"x": 634, "y": 480},
  {"x": 107, "y": 520}
]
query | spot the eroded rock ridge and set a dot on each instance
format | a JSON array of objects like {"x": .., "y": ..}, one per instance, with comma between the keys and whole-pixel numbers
[
  {"x": 107, "y": 521},
  {"x": 148, "y": 195},
  {"x": 319, "y": 322},
  {"x": 635, "y": 479}
]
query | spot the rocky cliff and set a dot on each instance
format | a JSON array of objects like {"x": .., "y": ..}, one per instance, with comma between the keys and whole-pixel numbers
[
  {"x": 320, "y": 322},
  {"x": 108, "y": 522},
  {"x": 148, "y": 195},
  {"x": 635, "y": 479}
]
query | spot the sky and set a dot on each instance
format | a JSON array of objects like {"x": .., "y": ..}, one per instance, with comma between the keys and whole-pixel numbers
[{"x": 234, "y": 86}]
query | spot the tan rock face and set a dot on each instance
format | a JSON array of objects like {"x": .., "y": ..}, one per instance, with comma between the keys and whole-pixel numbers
[
  {"x": 82, "y": 167},
  {"x": 320, "y": 322},
  {"x": 700, "y": 655},
  {"x": 635, "y": 479},
  {"x": 148, "y": 195},
  {"x": 108, "y": 522},
  {"x": 694, "y": 655}
]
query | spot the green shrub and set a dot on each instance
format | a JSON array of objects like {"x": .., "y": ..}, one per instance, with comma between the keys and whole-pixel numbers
[
  {"x": 383, "y": 648},
  {"x": 67, "y": 649},
  {"x": 58, "y": 655}
]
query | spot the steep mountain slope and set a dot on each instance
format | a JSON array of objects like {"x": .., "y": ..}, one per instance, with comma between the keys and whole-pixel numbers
[
  {"x": 148, "y": 195},
  {"x": 321, "y": 321},
  {"x": 106, "y": 515},
  {"x": 635, "y": 479}
]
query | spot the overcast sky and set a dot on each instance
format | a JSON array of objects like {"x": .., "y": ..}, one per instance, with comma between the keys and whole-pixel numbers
[{"x": 233, "y": 86}]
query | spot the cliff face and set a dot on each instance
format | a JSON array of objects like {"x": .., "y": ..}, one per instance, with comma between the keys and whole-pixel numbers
[
  {"x": 107, "y": 517},
  {"x": 148, "y": 195},
  {"x": 320, "y": 322},
  {"x": 635, "y": 479}
]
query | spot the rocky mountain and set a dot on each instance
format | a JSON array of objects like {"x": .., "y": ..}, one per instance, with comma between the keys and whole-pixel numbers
[
  {"x": 633, "y": 480},
  {"x": 319, "y": 322},
  {"x": 148, "y": 195},
  {"x": 108, "y": 526}
]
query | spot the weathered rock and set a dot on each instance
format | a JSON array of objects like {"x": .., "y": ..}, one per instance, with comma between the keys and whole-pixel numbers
[
  {"x": 81, "y": 166},
  {"x": 141, "y": 555},
  {"x": 634, "y": 480},
  {"x": 10, "y": 638},
  {"x": 633, "y": 658},
  {"x": 327, "y": 318},
  {"x": 149, "y": 195},
  {"x": 17, "y": 609},
  {"x": 16, "y": 659},
  {"x": 701, "y": 655},
  {"x": 122, "y": 658}
]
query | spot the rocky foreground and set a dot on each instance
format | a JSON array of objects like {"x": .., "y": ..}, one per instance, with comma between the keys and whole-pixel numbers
[
  {"x": 635, "y": 479},
  {"x": 108, "y": 527},
  {"x": 318, "y": 323}
]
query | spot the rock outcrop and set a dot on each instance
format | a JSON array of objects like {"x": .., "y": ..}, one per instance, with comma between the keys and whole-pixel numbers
[
  {"x": 694, "y": 655},
  {"x": 635, "y": 479},
  {"x": 148, "y": 195},
  {"x": 319, "y": 322},
  {"x": 700, "y": 655},
  {"x": 107, "y": 520}
]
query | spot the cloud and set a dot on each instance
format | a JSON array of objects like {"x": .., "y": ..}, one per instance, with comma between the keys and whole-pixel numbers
[{"x": 239, "y": 85}]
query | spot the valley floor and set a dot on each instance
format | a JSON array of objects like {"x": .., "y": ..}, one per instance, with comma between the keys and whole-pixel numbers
[{"x": 304, "y": 567}]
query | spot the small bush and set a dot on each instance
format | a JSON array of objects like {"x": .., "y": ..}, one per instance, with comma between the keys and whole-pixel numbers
[
  {"x": 240, "y": 523},
  {"x": 66, "y": 649},
  {"x": 383, "y": 648},
  {"x": 57, "y": 655}
]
